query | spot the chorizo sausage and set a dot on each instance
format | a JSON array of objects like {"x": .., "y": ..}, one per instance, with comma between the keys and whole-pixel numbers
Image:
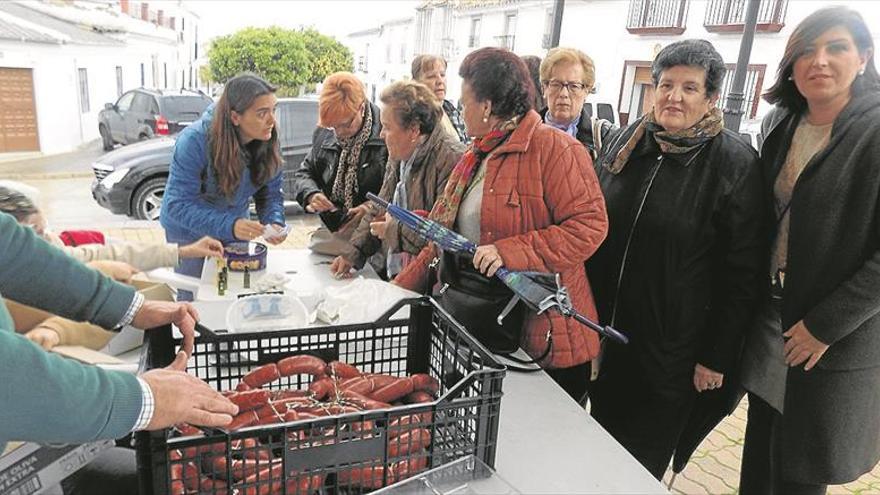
[
  {"x": 244, "y": 419},
  {"x": 341, "y": 371},
  {"x": 267, "y": 373},
  {"x": 303, "y": 364},
  {"x": 250, "y": 399},
  {"x": 428, "y": 383},
  {"x": 371, "y": 478},
  {"x": 393, "y": 391},
  {"x": 418, "y": 397},
  {"x": 408, "y": 441},
  {"x": 322, "y": 388}
]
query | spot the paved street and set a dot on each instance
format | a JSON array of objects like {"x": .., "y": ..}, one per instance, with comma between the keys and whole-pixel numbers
[{"x": 66, "y": 198}]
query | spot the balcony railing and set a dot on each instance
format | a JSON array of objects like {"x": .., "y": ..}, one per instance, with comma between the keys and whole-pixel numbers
[
  {"x": 728, "y": 16},
  {"x": 545, "y": 40},
  {"x": 505, "y": 41},
  {"x": 473, "y": 41},
  {"x": 657, "y": 16}
]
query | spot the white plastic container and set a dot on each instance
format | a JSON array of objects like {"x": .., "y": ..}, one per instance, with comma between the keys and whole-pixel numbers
[{"x": 265, "y": 313}]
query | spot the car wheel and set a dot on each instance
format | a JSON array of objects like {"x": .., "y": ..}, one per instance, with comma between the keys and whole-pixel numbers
[
  {"x": 106, "y": 140},
  {"x": 147, "y": 202},
  {"x": 143, "y": 137}
]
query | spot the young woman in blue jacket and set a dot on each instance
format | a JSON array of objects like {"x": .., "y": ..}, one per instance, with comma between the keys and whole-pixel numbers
[{"x": 230, "y": 155}]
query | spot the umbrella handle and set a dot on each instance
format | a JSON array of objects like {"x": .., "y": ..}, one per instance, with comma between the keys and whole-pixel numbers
[{"x": 605, "y": 331}]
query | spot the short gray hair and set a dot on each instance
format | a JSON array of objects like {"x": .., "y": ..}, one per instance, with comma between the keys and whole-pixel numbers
[{"x": 692, "y": 53}]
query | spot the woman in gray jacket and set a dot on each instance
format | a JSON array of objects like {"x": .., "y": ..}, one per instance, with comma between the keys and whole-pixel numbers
[{"x": 812, "y": 360}]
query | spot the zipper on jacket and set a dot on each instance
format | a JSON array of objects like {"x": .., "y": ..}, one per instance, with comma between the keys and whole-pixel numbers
[{"x": 632, "y": 230}]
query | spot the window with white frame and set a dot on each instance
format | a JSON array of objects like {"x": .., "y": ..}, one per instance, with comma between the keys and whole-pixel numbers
[{"x": 474, "y": 38}]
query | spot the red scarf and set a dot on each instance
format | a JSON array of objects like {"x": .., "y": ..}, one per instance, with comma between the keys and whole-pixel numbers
[{"x": 446, "y": 208}]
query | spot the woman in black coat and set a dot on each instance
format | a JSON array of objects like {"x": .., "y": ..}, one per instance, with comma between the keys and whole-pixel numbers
[
  {"x": 680, "y": 269},
  {"x": 812, "y": 360}
]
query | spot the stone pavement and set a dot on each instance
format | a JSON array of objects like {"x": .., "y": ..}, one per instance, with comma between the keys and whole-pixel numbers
[{"x": 714, "y": 467}]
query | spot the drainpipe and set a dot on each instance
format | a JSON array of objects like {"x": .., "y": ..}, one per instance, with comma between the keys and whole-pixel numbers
[
  {"x": 557, "y": 23},
  {"x": 733, "y": 110}
]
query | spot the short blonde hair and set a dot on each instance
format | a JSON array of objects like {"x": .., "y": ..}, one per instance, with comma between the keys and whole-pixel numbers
[
  {"x": 425, "y": 62},
  {"x": 412, "y": 103},
  {"x": 561, "y": 55},
  {"x": 342, "y": 95}
]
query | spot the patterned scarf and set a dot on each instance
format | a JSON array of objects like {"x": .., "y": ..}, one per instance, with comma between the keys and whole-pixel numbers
[
  {"x": 676, "y": 142},
  {"x": 446, "y": 208},
  {"x": 346, "y": 170}
]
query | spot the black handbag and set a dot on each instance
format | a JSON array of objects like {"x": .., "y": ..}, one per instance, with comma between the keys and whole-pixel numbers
[{"x": 476, "y": 301}]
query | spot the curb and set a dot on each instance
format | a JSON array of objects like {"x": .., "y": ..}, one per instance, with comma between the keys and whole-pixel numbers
[{"x": 47, "y": 176}]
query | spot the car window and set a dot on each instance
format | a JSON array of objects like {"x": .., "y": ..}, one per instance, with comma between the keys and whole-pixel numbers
[
  {"x": 184, "y": 108},
  {"x": 142, "y": 103},
  {"x": 296, "y": 122},
  {"x": 605, "y": 111},
  {"x": 124, "y": 102},
  {"x": 589, "y": 108}
]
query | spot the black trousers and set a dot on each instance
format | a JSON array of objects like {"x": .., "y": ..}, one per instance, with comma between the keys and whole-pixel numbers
[
  {"x": 114, "y": 472},
  {"x": 574, "y": 380},
  {"x": 761, "y": 472},
  {"x": 646, "y": 418}
]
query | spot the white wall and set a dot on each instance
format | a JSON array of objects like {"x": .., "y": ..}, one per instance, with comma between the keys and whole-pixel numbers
[
  {"x": 598, "y": 27},
  {"x": 610, "y": 44},
  {"x": 61, "y": 125}
]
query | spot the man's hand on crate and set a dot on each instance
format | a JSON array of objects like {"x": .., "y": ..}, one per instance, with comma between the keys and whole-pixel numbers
[
  {"x": 156, "y": 313},
  {"x": 182, "y": 398}
]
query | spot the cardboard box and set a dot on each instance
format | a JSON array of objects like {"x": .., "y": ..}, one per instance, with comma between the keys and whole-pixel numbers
[
  {"x": 29, "y": 468},
  {"x": 129, "y": 337}
]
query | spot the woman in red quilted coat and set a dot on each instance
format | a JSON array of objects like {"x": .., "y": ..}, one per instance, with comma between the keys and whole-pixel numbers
[{"x": 527, "y": 195}]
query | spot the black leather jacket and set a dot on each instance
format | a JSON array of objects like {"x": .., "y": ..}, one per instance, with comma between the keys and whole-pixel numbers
[{"x": 318, "y": 170}]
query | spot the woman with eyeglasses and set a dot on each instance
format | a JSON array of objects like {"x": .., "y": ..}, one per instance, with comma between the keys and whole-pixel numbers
[
  {"x": 222, "y": 161},
  {"x": 567, "y": 77},
  {"x": 812, "y": 360},
  {"x": 347, "y": 161},
  {"x": 682, "y": 266}
]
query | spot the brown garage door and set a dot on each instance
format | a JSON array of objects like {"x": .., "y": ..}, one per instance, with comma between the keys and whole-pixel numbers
[{"x": 18, "y": 115}]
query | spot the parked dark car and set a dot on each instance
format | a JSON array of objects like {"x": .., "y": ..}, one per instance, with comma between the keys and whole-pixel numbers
[
  {"x": 131, "y": 180},
  {"x": 144, "y": 113}
]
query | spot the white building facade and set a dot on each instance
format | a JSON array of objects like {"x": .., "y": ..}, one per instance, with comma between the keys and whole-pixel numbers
[
  {"x": 60, "y": 63},
  {"x": 621, "y": 36}
]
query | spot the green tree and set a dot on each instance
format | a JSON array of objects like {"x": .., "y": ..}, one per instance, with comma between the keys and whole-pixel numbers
[
  {"x": 287, "y": 58},
  {"x": 327, "y": 54}
]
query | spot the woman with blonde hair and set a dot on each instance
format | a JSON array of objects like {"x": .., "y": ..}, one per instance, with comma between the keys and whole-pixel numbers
[
  {"x": 567, "y": 77},
  {"x": 347, "y": 159},
  {"x": 430, "y": 70}
]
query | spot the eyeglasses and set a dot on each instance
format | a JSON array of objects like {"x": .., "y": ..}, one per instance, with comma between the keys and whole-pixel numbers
[
  {"x": 573, "y": 87},
  {"x": 343, "y": 127}
]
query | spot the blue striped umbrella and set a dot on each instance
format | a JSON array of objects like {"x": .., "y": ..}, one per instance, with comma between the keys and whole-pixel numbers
[{"x": 539, "y": 291}]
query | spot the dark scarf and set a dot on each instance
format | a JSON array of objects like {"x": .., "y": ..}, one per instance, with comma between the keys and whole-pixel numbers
[
  {"x": 676, "y": 142},
  {"x": 346, "y": 171}
]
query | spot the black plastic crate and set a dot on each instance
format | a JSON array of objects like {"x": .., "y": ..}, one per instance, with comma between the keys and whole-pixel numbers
[{"x": 349, "y": 453}]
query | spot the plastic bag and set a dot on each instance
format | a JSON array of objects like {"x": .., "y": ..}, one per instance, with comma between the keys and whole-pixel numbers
[{"x": 362, "y": 300}]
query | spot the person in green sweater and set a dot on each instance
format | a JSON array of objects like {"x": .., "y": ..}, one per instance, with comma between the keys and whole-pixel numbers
[{"x": 47, "y": 398}]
